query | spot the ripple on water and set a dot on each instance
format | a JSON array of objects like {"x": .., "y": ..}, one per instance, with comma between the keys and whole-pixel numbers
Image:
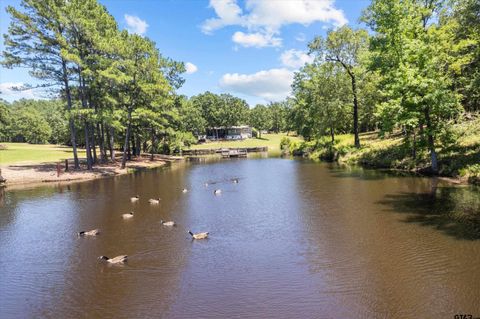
[{"x": 291, "y": 240}]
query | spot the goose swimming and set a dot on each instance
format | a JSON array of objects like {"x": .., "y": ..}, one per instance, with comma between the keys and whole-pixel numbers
[
  {"x": 198, "y": 235},
  {"x": 169, "y": 223},
  {"x": 154, "y": 201},
  {"x": 127, "y": 216},
  {"x": 93, "y": 232},
  {"x": 115, "y": 260}
]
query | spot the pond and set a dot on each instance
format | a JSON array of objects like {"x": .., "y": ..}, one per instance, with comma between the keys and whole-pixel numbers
[{"x": 291, "y": 239}]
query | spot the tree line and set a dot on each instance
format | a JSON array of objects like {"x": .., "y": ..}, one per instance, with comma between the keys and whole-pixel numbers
[
  {"x": 35, "y": 122},
  {"x": 415, "y": 70},
  {"x": 114, "y": 89},
  {"x": 46, "y": 121},
  {"x": 115, "y": 85}
]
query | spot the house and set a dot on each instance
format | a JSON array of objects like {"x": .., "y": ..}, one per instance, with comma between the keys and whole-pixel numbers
[{"x": 229, "y": 133}]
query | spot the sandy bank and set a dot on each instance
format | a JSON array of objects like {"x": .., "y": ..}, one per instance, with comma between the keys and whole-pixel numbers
[{"x": 25, "y": 174}]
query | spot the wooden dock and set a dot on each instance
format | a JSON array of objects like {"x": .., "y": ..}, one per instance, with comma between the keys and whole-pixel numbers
[
  {"x": 225, "y": 152},
  {"x": 234, "y": 152}
]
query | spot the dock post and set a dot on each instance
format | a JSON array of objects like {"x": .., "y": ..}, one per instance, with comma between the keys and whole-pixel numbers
[{"x": 66, "y": 165}]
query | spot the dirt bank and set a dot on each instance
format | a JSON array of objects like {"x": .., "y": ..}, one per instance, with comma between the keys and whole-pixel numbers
[{"x": 25, "y": 174}]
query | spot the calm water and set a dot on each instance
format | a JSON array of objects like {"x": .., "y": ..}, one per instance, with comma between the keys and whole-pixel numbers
[{"x": 293, "y": 239}]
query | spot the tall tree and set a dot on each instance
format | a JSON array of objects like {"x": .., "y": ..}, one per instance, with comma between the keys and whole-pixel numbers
[
  {"x": 322, "y": 91},
  {"x": 138, "y": 77},
  {"x": 36, "y": 40},
  {"x": 260, "y": 118},
  {"x": 345, "y": 47}
]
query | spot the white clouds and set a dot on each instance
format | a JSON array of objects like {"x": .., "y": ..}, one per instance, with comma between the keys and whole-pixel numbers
[
  {"x": 264, "y": 18},
  {"x": 274, "y": 14},
  {"x": 135, "y": 24},
  {"x": 257, "y": 40},
  {"x": 270, "y": 85},
  {"x": 295, "y": 58},
  {"x": 190, "y": 68},
  {"x": 228, "y": 12},
  {"x": 11, "y": 91}
]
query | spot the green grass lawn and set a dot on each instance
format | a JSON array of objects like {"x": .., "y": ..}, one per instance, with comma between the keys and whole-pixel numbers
[
  {"x": 17, "y": 153},
  {"x": 272, "y": 141}
]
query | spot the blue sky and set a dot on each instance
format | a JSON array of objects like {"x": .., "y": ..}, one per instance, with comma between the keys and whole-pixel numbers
[{"x": 249, "y": 48}]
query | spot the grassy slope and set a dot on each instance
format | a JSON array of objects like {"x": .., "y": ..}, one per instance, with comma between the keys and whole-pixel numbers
[
  {"x": 272, "y": 141},
  {"x": 460, "y": 159},
  {"x": 30, "y": 153}
]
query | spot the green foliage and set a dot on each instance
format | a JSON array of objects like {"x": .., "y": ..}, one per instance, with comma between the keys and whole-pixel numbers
[
  {"x": 260, "y": 118},
  {"x": 104, "y": 74},
  {"x": 412, "y": 55},
  {"x": 464, "y": 20},
  {"x": 221, "y": 110},
  {"x": 346, "y": 48},
  {"x": 4, "y": 120},
  {"x": 322, "y": 95},
  {"x": 34, "y": 121},
  {"x": 191, "y": 119},
  {"x": 28, "y": 125},
  {"x": 285, "y": 143},
  {"x": 279, "y": 112}
]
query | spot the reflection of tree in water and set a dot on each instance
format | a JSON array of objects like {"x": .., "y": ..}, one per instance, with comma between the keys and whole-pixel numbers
[
  {"x": 2, "y": 196},
  {"x": 453, "y": 210}
]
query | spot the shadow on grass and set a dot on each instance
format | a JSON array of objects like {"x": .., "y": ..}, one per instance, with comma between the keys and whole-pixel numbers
[
  {"x": 52, "y": 168},
  {"x": 455, "y": 211},
  {"x": 456, "y": 157}
]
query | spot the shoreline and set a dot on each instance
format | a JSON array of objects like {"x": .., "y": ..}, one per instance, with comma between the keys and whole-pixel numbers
[
  {"x": 20, "y": 175},
  {"x": 26, "y": 174}
]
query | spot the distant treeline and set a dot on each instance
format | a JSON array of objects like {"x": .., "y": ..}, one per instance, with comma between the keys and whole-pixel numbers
[{"x": 46, "y": 121}]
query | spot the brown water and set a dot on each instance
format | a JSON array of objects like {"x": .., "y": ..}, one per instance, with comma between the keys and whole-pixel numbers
[{"x": 293, "y": 239}]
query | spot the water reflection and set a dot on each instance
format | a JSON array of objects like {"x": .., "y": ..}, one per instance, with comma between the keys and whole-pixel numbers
[
  {"x": 292, "y": 239},
  {"x": 454, "y": 211}
]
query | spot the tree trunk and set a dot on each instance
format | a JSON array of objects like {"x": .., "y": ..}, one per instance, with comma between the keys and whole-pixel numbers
[
  {"x": 71, "y": 123},
  {"x": 355, "y": 110},
  {"x": 138, "y": 145},
  {"x": 94, "y": 143},
  {"x": 84, "y": 105},
  {"x": 431, "y": 141},
  {"x": 133, "y": 147},
  {"x": 83, "y": 98},
  {"x": 111, "y": 142},
  {"x": 152, "y": 149},
  {"x": 414, "y": 146},
  {"x": 127, "y": 138},
  {"x": 332, "y": 134},
  {"x": 87, "y": 146},
  {"x": 91, "y": 128},
  {"x": 101, "y": 134}
]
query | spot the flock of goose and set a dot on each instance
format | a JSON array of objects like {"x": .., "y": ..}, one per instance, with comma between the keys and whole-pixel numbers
[{"x": 153, "y": 201}]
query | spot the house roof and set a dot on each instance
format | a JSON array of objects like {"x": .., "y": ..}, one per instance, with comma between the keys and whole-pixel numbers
[{"x": 229, "y": 127}]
